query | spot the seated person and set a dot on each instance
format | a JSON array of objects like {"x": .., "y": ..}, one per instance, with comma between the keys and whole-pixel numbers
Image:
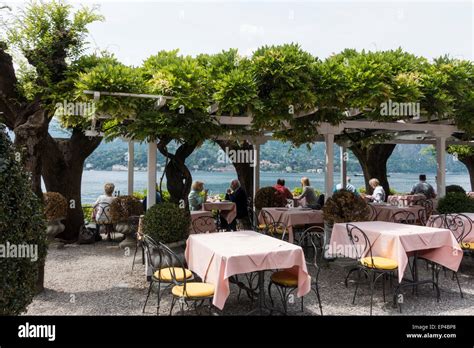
[
  {"x": 237, "y": 194},
  {"x": 378, "y": 196},
  {"x": 158, "y": 198},
  {"x": 100, "y": 212},
  {"x": 195, "y": 198},
  {"x": 349, "y": 187},
  {"x": 280, "y": 187},
  {"x": 309, "y": 194},
  {"x": 423, "y": 188}
]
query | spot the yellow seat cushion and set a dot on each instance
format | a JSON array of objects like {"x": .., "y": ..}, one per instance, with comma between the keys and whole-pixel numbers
[
  {"x": 467, "y": 245},
  {"x": 194, "y": 290},
  {"x": 379, "y": 262},
  {"x": 278, "y": 230},
  {"x": 262, "y": 226},
  {"x": 285, "y": 278},
  {"x": 165, "y": 274}
]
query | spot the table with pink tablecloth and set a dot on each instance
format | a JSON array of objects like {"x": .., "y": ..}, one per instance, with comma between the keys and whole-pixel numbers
[
  {"x": 406, "y": 200},
  {"x": 197, "y": 214},
  {"x": 292, "y": 217},
  {"x": 217, "y": 256},
  {"x": 399, "y": 241},
  {"x": 433, "y": 221},
  {"x": 228, "y": 210},
  {"x": 385, "y": 212}
]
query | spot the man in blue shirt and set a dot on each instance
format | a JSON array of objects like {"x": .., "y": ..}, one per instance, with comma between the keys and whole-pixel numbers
[{"x": 349, "y": 187}]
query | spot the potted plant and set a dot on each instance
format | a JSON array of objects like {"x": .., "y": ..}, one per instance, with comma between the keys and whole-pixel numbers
[
  {"x": 455, "y": 202},
  {"x": 169, "y": 224},
  {"x": 121, "y": 209},
  {"x": 55, "y": 210},
  {"x": 268, "y": 197},
  {"x": 343, "y": 206}
]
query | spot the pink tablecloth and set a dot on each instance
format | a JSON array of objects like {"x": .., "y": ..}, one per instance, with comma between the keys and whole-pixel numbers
[
  {"x": 469, "y": 233},
  {"x": 386, "y": 212},
  {"x": 405, "y": 199},
  {"x": 228, "y": 209},
  {"x": 196, "y": 214},
  {"x": 217, "y": 256},
  {"x": 397, "y": 241},
  {"x": 294, "y": 217}
]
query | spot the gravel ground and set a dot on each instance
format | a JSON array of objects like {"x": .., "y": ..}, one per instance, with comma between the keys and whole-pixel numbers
[{"x": 97, "y": 280}]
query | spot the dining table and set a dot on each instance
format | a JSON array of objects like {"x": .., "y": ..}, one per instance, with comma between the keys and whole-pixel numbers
[
  {"x": 293, "y": 217},
  {"x": 217, "y": 257},
  {"x": 227, "y": 209}
]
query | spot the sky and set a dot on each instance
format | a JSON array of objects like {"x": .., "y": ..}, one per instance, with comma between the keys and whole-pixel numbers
[{"x": 134, "y": 30}]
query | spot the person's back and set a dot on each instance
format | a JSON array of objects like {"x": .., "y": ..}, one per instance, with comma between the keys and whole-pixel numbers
[
  {"x": 195, "y": 201},
  {"x": 102, "y": 207},
  {"x": 310, "y": 195},
  {"x": 424, "y": 188},
  {"x": 239, "y": 197},
  {"x": 284, "y": 191}
]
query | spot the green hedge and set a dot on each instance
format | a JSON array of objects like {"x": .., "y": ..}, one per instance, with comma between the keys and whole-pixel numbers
[
  {"x": 21, "y": 222},
  {"x": 455, "y": 202},
  {"x": 167, "y": 223}
]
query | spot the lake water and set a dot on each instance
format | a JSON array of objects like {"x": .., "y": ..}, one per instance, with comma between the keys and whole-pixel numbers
[{"x": 93, "y": 181}]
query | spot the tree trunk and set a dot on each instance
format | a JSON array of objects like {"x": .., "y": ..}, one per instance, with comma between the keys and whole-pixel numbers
[
  {"x": 178, "y": 176},
  {"x": 373, "y": 160},
  {"x": 244, "y": 170},
  {"x": 469, "y": 163},
  {"x": 62, "y": 172}
]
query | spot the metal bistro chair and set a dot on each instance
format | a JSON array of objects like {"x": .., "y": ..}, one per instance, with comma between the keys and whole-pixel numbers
[
  {"x": 404, "y": 217},
  {"x": 424, "y": 214},
  {"x": 204, "y": 224},
  {"x": 134, "y": 222},
  {"x": 102, "y": 217},
  {"x": 184, "y": 289},
  {"x": 373, "y": 214},
  {"x": 460, "y": 226},
  {"x": 166, "y": 267},
  {"x": 271, "y": 227},
  {"x": 311, "y": 241},
  {"x": 374, "y": 267}
]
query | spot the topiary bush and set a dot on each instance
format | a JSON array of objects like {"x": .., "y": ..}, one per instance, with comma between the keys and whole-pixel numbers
[
  {"x": 55, "y": 206},
  {"x": 455, "y": 188},
  {"x": 21, "y": 222},
  {"x": 455, "y": 202},
  {"x": 123, "y": 207},
  {"x": 344, "y": 206},
  {"x": 268, "y": 197},
  {"x": 167, "y": 223}
]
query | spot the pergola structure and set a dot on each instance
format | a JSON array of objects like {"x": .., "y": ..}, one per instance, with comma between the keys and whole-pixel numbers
[{"x": 413, "y": 131}]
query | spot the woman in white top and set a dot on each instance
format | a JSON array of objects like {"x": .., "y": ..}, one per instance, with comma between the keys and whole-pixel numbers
[
  {"x": 101, "y": 213},
  {"x": 378, "y": 196}
]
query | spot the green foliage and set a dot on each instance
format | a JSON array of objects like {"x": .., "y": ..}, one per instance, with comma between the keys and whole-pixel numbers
[
  {"x": 55, "y": 206},
  {"x": 268, "y": 197},
  {"x": 21, "y": 222},
  {"x": 344, "y": 206},
  {"x": 87, "y": 211},
  {"x": 455, "y": 202},
  {"x": 167, "y": 223},
  {"x": 124, "y": 207},
  {"x": 455, "y": 188},
  {"x": 165, "y": 195}
]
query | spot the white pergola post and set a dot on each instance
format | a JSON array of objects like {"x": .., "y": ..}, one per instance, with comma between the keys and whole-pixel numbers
[
  {"x": 329, "y": 180},
  {"x": 131, "y": 165},
  {"x": 256, "y": 168},
  {"x": 343, "y": 159},
  {"x": 441, "y": 165},
  {"x": 151, "y": 194}
]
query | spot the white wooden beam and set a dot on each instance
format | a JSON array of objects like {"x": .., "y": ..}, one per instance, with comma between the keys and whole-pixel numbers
[
  {"x": 441, "y": 166},
  {"x": 329, "y": 172},
  {"x": 131, "y": 165},
  {"x": 151, "y": 185}
]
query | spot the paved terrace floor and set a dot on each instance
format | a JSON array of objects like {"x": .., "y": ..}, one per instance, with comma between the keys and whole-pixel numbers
[{"x": 97, "y": 280}]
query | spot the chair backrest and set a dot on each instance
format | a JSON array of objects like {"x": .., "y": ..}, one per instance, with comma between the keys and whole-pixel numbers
[
  {"x": 204, "y": 224},
  {"x": 253, "y": 218},
  {"x": 320, "y": 202},
  {"x": 360, "y": 242},
  {"x": 404, "y": 217},
  {"x": 425, "y": 213},
  {"x": 459, "y": 224},
  {"x": 277, "y": 230},
  {"x": 102, "y": 213},
  {"x": 312, "y": 243},
  {"x": 267, "y": 217},
  {"x": 373, "y": 214}
]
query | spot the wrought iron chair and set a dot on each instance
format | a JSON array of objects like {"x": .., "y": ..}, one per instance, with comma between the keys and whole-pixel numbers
[
  {"x": 204, "y": 224},
  {"x": 271, "y": 227},
  {"x": 404, "y": 217},
  {"x": 460, "y": 226},
  {"x": 373, "y": 214},
  {"x": 374, "y": 267},
  {"x": 311, "y": 241},
  {"x": 253, "y": 218},
  {"x": 102, "y": 217},
  {"x": 167, "y": 268},
  {"x": 426, "y": 212},
  {"x": 184, "y": 289},
  {"x": 134, "y": 223}
]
